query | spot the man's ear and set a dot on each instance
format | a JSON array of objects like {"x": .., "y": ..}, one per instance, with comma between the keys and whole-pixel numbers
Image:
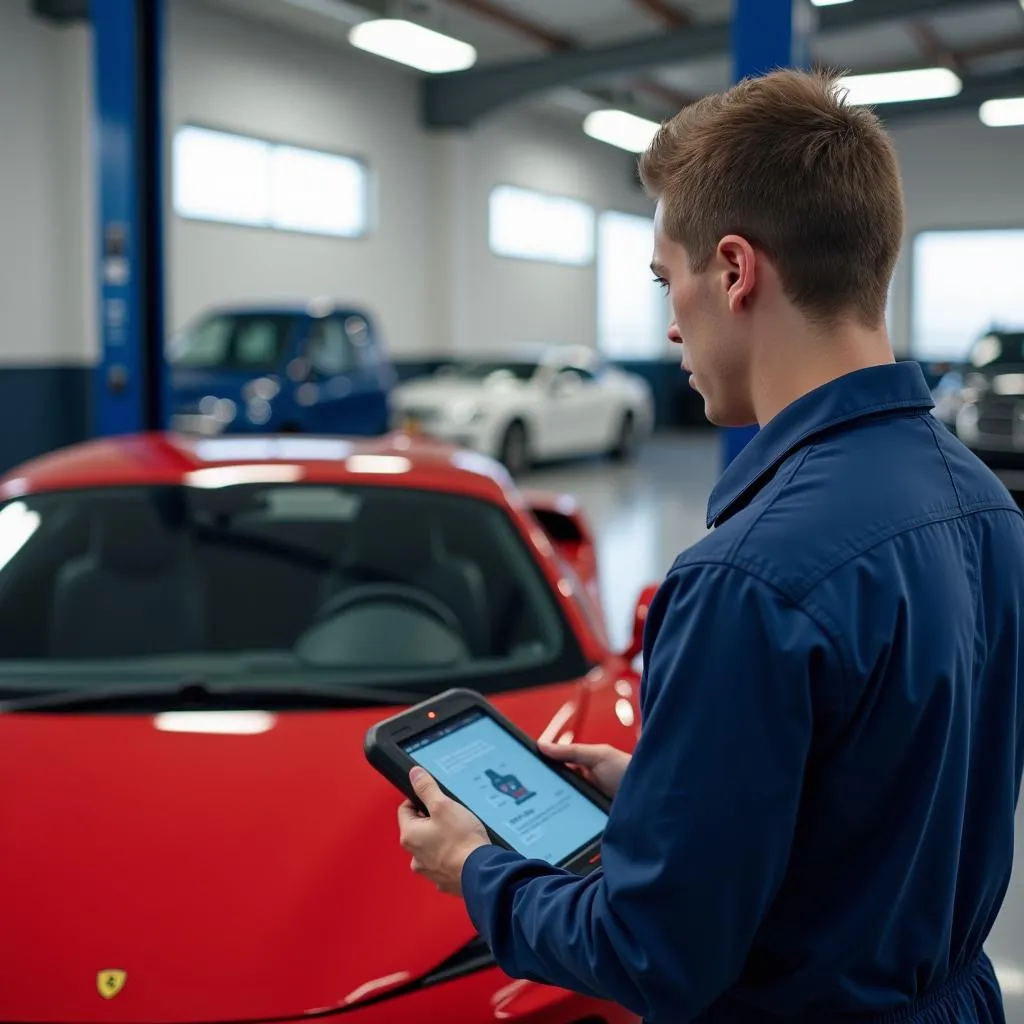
[{"x": 738, "y": 261}]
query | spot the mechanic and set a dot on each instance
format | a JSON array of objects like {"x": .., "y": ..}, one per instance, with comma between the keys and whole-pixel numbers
[{"x": 817, "y": 820}]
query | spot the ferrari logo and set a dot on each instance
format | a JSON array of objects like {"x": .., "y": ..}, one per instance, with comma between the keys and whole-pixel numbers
[{"x": 110, "y": 983}]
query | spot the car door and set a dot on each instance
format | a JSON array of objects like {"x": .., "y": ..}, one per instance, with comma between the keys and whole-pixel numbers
[
  {"x": 577, "y": 411},
  {"x": 341, "y": 390}
]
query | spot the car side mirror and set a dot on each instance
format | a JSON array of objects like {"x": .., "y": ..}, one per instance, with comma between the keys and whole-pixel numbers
[
  {"x": 562, "y": 521},
  {"x": 643, "y": 607}
]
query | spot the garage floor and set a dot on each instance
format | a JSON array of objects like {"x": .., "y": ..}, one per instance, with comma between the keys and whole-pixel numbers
[{"x": 644, "y": 514}]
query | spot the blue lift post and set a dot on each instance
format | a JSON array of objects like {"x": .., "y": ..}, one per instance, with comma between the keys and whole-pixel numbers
[
  {"x": 129, "y": 386},
  {"x": 766, "y": 34}
]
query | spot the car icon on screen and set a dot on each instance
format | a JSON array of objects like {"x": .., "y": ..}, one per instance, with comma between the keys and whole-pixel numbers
[{"x": 509, "y": 785}]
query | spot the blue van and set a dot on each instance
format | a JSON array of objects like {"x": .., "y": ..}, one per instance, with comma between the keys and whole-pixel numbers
[{"x": 316, "y": 368}]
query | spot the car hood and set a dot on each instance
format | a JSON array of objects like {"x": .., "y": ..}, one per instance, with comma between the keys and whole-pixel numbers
[
  {"x": 189, "y": 386},
  {"x": 438, "y": 393},
  {"x": 231, "y": 877}
]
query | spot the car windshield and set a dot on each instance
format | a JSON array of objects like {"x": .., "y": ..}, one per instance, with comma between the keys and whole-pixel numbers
[
  {"x": 1000, "y": 348},
  {"x": 375, "y": 586},
  {"x": 483, "y": 370},
  {"x": 243, "y": 341}
]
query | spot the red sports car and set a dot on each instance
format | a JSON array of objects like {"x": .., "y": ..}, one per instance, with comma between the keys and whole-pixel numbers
[{"x": 196, "y": 636}]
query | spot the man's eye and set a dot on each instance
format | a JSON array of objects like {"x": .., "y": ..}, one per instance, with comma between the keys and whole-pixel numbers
[{"x": 661, "y": 283}]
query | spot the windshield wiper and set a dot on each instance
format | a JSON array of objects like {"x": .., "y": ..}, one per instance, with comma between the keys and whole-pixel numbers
[{"x": 197, "y": 694}]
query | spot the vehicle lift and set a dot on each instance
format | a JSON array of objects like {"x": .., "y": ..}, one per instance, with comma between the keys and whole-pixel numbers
[{"x": 129, "y": 391}]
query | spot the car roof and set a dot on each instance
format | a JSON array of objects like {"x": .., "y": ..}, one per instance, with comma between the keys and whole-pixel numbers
[{"x": 168, "y": 458}]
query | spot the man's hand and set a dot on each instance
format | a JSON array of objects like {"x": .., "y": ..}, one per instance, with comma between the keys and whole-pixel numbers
[
  {"x": 601, "y": 765},
  {"x": 441, "y": 843}
]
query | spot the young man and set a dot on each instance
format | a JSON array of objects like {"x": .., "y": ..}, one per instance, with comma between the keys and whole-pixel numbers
[{"x": 817, "y": 821}]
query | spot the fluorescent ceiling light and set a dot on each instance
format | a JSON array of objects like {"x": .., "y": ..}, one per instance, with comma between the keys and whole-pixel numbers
[
  {"x": 832, "y": 3},
  {"x": 414, "y": 45},
  {"x": 901, "y": 86},
  {"x": 1002, "y": 113},
  {"x": 617, "y": 128}
]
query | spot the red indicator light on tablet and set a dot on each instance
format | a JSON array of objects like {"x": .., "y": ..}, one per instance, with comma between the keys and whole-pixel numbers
[{"x": 431, "y": 714}]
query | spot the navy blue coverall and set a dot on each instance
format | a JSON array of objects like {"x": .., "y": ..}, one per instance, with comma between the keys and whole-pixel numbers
[{"x": 818, "y": 818}]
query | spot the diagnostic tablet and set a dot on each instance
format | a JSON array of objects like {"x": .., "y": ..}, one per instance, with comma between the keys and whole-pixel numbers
[{"x": 528, "y": 803}]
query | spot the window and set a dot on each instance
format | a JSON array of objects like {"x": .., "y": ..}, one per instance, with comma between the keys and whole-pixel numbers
[
  {"x": 226, "y": 341},
  {"x": 534, "y": 226},
  {"x": 360, "y": 585},
  {"x": 965, "y": 283},
  {"x": 328, "y": 347},
  {"x": 317, "y": 192},
  {"x": 258, "y": 344},
  {"x": 223, "y": 177},
  {"x": 580, "y": 373},
  {"x": 632, "y": 312},
  {"x": 220, "y": 177}
]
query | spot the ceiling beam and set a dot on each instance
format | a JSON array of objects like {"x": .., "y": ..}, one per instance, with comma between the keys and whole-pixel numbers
[
  {"x": 61, "y": 10},
  {"x": 932, "y": 48},
  {"x": 976, "y": 89},
  {"x": 556, "y": 42},
  {"x": 962, "y": 56},
  {"x": 671, "y": 96},
  {"x": 530, "y": 30},
  {"x": 463, "y": 97},
  {"x": 666, "y": 13},
  {"x": 994, "y": 48}
]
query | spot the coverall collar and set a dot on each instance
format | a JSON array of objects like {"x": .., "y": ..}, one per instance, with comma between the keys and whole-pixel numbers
[{"x": 876, "y": 390}]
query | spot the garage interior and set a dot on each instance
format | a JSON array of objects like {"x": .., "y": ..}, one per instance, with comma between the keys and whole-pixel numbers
[{"x": 479, "y": 213}]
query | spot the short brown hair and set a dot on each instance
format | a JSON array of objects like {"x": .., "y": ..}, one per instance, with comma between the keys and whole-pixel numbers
[{"x": 809, "y": 180}]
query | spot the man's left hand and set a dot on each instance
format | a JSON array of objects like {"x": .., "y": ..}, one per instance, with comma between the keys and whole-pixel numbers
[{"x": 441, "y": 843}]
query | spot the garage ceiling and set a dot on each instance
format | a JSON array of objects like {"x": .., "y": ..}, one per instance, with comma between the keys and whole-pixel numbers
[{"x": 652, "y": 56}]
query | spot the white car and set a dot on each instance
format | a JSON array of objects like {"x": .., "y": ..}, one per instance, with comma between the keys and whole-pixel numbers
[{"x": 531, "y": 406}]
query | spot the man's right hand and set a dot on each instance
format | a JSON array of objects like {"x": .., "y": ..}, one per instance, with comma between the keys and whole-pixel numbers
[{"x": 601, "y": 765}]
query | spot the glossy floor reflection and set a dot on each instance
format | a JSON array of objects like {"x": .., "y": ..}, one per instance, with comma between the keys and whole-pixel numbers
[{"x": 643, "y": 515}]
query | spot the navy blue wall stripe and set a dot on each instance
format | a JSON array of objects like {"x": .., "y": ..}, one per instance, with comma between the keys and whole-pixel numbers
[{"x": 44, "y": 407}]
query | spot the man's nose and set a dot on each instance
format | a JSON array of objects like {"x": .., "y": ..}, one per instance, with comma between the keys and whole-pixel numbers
[{"x": 673, "y": 333}]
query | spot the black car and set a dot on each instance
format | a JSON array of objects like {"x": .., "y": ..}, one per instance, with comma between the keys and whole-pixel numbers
[{"x": 990, "y": 420}]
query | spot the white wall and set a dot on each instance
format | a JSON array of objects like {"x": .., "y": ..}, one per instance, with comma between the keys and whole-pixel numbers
[
  {"x": 45, "y": 198},
  {"x": 956, "y": 173},
  {"x": 499, "y": 301},
  {"x": 426, "y": 269}
]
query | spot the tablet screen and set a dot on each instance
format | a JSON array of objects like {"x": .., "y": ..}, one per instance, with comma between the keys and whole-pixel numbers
[{"x": 507, "y": 787}]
